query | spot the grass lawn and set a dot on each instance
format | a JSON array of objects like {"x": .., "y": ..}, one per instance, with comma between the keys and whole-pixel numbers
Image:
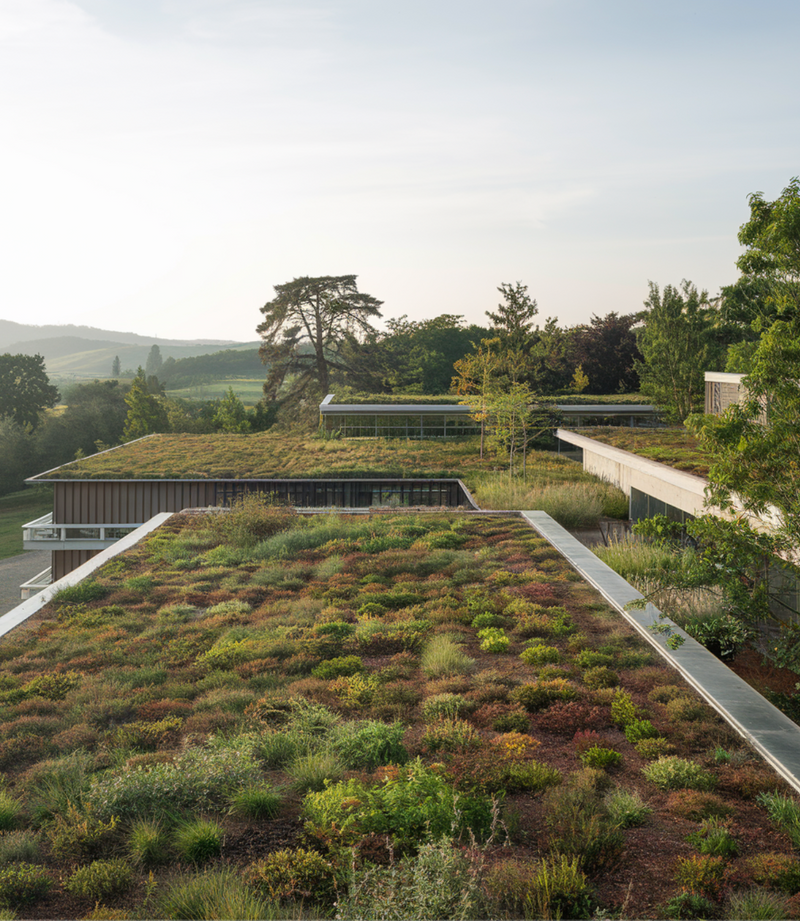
[
  {"x": 262, "y": 715},
  {"x": 249, "y": 390},
  {"x": 673, "y": 447},
  {"x": 15, "y": 510}
]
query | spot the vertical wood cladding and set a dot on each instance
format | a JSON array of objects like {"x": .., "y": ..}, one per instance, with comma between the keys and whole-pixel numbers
[
  {"x": 125, "y": 502},
  {"x": 64, "y": 561}
]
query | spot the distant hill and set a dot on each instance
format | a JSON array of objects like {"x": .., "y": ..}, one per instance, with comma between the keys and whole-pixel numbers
[
  {"x": 11, "y": 333},
  {"x": 82, "y": 352}
]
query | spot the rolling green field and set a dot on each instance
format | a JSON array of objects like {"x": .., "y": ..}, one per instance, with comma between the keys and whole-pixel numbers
[
  {"x": 249, "y": 390},
  {"x": 15, "y": 510}
]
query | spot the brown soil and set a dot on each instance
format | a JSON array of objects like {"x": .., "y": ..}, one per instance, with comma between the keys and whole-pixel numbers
[{"x": 751, "y": 666}]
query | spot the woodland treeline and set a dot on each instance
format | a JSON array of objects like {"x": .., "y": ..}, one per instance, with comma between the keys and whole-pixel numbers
[{"x": 319, "y": 334}]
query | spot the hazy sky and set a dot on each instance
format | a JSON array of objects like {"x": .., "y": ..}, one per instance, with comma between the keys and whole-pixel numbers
[{"x": 166, "y": 162}]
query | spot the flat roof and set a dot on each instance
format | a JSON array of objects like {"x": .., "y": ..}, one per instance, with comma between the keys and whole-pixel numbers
[
  {"x": 453, "y": 409},
  {"x": 274, "y": 456}
]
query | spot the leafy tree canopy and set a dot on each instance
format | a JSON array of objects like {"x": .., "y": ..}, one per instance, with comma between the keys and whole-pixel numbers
[
  {"x": 607, "y": 351},
  {"x": 306, "y": 329},
  {"x": 25, "y": 389},
  {"x": 413, "y": 356},
  {"x": 147, "y": 414},
  {"x": 679, "y": 344},
  {"x": 757, "y": 443},
  {"x": 154, "y": 362}
]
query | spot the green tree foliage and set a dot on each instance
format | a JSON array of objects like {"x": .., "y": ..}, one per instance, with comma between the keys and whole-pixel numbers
[
  {"x": 146, "y": 411},
  {"x": 678, "y": 344},
  {"x": 512, "y": 322},
  {"x": 306, "y": 329},
  {"x": 25, "y": 389},
  {"x": 757, "y": 443},
  {"x": 415, "y": 356},
  {"x": 226, "y": 364},
  {"x": 607, "y": 351},
  {"x": 532, "y": 355},
  {"x": 154, "y": 362},
  {"x": 548, "y": 367},
  {"x": 17, "y": 455},
  {"x": 475, "y": 375},
  {"x": 115, "y": 367},
  {"x": 512, "y": 326},
  {"x": 515, "y": 419},
  {"x": 95, "y": 413},
  {"x": 230, "y": 415}
]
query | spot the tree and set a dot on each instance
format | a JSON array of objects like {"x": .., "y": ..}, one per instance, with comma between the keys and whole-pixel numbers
[
  {"x": 17, "y": 455},
  {"x": 513, "y": 319},
  {"x": 306, "y": 327},
  {"x": 115, "y": 366},
  {"x": 547, "y": 365},
  {"x": 413, "y": 356},
  {"x": 755, "y": 445},
  {"x": 146, "y": 412},
  {"x": 154, "y": 361},
  {"x": 678, "y": 344},
  {"x": 25, "y": 389},
  {"x": 95, "y": 412},
  {"x": 475, "y": 376},
  {"x": 607, "y": 351},
  {"x": 230, "y": 415}
]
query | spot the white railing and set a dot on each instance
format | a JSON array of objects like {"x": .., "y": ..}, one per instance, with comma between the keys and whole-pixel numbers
[
  {"x": 36, "y": 584},
  {"x": 43, "y": 533}
]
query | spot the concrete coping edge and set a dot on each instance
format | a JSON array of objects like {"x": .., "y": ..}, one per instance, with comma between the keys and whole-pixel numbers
[
  {"x": 771, "y": 733},
  {"x": 31, "y": 606}
]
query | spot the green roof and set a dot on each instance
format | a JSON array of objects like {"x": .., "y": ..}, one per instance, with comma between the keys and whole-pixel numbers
[
  {"x": 274, "y": 456},
  {"x": 673, "y": 447}
]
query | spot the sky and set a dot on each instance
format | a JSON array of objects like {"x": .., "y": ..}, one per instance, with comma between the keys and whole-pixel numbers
[{"x": 166, "y": 162}]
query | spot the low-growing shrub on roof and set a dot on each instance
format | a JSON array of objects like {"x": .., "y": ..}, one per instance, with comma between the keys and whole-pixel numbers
[
  {"x": 200, "y": 779},
  {"x": 440, "y": 881},
  {"x": 368, "y": 744},
  {"x": 292, "y": 875},
  {"x": 23, "y": 883},
  {"x": 413, "y": 805},
  {"x": 100, "y": 879},
  {"x": 674, "y": 773},
  {"x": 252, "y": 518}
]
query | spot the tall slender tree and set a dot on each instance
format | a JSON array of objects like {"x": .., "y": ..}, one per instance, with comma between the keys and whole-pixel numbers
[{"x": 147, "y": 414}]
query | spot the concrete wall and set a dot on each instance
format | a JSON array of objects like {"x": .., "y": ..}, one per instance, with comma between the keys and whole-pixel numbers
[{"x": 682, "y": 491}]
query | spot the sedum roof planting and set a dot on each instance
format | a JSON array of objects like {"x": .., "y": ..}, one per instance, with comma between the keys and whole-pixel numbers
[
  {"x": 273, "y": 456},
  {"x": 673, "y": 447},
  {"x": 322, "y": 688}
]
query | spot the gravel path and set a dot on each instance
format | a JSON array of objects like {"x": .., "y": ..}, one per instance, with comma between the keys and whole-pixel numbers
[{"x": 16, "y": 570}]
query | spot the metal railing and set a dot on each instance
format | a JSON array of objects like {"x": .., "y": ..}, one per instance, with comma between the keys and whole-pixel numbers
[
  {"x": 43, "y": 532},
  {"x": 36, "y": 584}
]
